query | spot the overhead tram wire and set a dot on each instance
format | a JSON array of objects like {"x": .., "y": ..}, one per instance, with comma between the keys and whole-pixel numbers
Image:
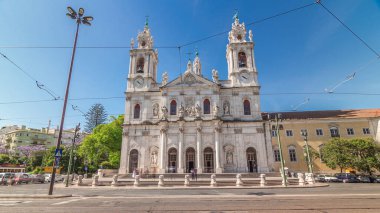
[
  {"x": 38, "y": 84},
  {"x": 160, "y": 47},
  {"x": 251, "y": 23},
  {"x": 349, "y": 29}
]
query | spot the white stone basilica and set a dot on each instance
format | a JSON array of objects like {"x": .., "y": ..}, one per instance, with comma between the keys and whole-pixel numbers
[{"x": 191, "y": 122}]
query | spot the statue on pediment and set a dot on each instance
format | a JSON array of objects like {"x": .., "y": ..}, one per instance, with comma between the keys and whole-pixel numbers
[
  {"x": 165, "y": 78},
  {"x": 215, "y": 76}
]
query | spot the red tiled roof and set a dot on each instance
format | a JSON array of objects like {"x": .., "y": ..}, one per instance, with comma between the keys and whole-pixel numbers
[{"x": 326, "y": 114}]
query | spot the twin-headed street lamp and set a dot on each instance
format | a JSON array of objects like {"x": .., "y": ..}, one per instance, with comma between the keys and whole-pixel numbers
[
  {"x": 309, "y": 163},
  {"x": 80, "y": 19},
  {"x": 277, "y": 128}
]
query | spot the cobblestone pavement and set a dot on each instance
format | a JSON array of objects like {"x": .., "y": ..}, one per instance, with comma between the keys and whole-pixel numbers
[{"x": 335, "y": 198}]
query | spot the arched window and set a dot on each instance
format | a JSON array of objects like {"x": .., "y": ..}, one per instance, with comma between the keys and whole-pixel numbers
[
  {"x": 206, "y": 106},
  {"x": 140, "y": 65},
  {"x": 247, "y": 107},
  {"x": 242, "y": 59},
  {"x": 173, "y": 107},
  {"x": 136, "y": 112},
  {"x": 292, "y": 153}
]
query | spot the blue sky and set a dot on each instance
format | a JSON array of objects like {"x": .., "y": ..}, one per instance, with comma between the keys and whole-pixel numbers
[{"x": 303, "y": 51}]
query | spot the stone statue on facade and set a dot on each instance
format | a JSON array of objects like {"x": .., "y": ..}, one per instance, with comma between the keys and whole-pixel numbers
[
  {"x": 155, "y": 110},
  {"x": 165, "y": 78},
  {"x": 226, "y": 108},
  {"x": 215, "y": 76},
  {"x": 198, "y": 111},
  {"x": 132, "y": 43},
  {"x": 181, "y": 111},
  {"x": 229, "y": 157},
  {"x": 250, "y": 35},
  {"x": 164, "y": 112},
  {"x": 153, "y": 158},
  {"x": 216, "y": 111}
]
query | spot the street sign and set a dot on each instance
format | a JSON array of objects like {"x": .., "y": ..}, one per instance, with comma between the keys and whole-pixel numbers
[
  {"x": 56, "y": 162},
  {"x": 58, "y": 153},
  {"x": 85, "y": 168}
]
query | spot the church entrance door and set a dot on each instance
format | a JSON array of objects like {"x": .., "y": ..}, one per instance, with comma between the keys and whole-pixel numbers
[
  {"x": 208, "y": 160},
  {"x": 190, "y": 159},
  {"x": 133, "y": 160},
  {"x": 172, "y": 168},
  {"x": 251, "y": 160}
]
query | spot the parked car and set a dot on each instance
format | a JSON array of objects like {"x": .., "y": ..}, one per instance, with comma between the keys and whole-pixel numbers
[
  {"x": 364, "y": 179},
  {"x": 347, "y": 178},
  {"x": 57, "y": 178},
  {"x": 39, "y": 178},
  {"x": 22, "y": 178},
  {"x": 6, "y": 177},
  {"x": 326, "y": 178}
]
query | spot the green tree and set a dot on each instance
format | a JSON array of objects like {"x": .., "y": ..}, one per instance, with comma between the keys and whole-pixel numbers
[
  {"x": 103, "y": 145},
  {"x": 366, "y": 154},
  {"x": 338, "y": 153},
  {"x": 4, "y": 158},
  {"x": 95, "y": 116}
]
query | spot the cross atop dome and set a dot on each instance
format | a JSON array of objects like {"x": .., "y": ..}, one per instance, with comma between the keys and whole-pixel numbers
[{"x": 145, "y": 39}]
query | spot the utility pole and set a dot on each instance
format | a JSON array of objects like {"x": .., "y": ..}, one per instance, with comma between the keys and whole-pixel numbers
[{"x": 76, "y": 135}]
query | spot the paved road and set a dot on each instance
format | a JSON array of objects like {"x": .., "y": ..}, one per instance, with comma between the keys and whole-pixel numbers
[{"x": 336, "y": 198}]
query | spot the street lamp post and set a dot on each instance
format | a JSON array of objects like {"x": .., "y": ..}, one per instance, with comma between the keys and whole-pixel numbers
[
  {"x": 80, "y": 19},
  {"x": 277, "y": 128},
  {"x": 309, "y": 163}
]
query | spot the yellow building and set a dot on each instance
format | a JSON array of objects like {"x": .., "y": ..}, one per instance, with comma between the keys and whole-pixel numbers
[{"x": 321, "y": 126}]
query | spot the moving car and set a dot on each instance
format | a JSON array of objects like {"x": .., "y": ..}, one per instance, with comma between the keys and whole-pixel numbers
[
  {"x": 326, "y": 178},
  {"x": 22, "y": 178}
]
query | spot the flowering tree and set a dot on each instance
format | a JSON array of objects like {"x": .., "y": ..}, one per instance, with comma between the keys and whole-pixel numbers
[
  {"x": 3, "y": 150},
  {"x": 29, "y": 150}
]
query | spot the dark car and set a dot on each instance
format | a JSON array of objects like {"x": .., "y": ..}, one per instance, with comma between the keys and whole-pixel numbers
[
  {"x": 38, "y": 178},
  {"x": 347, "y": 178}
]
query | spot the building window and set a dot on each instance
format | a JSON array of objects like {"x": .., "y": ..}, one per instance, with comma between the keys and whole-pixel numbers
[
  {"x": 334, "y": 132},
  {"x": 319, "y": 132},
  {"x": 292, "y": 154},
  {"x": 206, "y": 106},
  {"x": 136, "y": 112},
  {"x": 276, "y": 155},
  {"x": 140, "y": 65},
  {"x": 242, "y": 59},
  {"x": 366, "y": 131},
  {"x": 289, "y": 133},
  {"x": 173, "y": 107},
  {"x": 274, "y": 133},
  {"x": 350, "y": 131},
  {"x": 247, "y": 107}
]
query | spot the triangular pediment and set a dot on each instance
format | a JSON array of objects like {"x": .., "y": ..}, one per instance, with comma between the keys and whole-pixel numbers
[{"x": 189, "y": 79}]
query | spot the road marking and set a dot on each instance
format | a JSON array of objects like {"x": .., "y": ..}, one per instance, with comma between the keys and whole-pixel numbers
[
  {"x": 12, "y": 202},
  {"x": 68, "y": 201}
]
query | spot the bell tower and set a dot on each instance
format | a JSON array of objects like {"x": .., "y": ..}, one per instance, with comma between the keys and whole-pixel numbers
[
  {"x": 240, "y": 57},
  {"x": 143, "y": 62}
]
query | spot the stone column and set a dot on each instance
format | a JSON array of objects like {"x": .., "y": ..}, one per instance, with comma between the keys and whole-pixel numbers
[
  {"x": 180, "y": 149},
  {"x": 163, "y": 139},
  {"x": 199, "y": 147},
  {"x": 124, "y": 153},
  {"x": 217, "y": 131}
]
